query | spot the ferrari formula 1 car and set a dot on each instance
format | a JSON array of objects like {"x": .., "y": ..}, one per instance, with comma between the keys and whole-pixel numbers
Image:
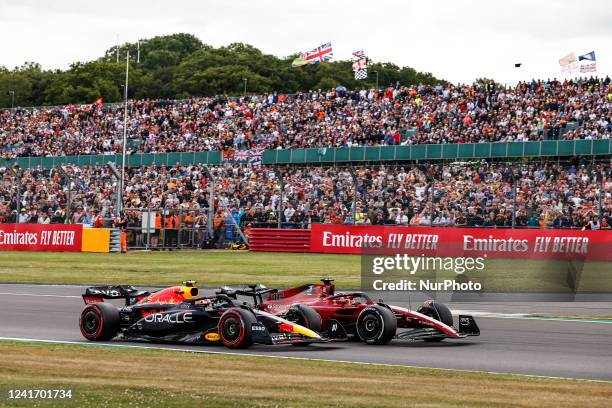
[
  {"x": 360, "y": 316},
  {"x": 178, "y": 314}
]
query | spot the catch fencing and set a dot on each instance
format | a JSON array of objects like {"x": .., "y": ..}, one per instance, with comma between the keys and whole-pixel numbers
[
  {"x": 296, "y": 197},
  {"x": 169, "y": 229}
]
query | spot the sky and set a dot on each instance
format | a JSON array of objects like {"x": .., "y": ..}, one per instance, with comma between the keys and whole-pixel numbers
[{"x": 458, "y": 40}]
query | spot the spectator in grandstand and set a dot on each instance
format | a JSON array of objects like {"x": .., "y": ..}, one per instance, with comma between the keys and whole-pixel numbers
[
  {"x": 482, "y": 112},
  {"x": 547, "y": 194}
]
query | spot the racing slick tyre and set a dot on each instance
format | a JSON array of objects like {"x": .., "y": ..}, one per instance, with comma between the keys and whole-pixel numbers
[
  {"x": 376, "y": 325},
  {"x": 438, "y": 311},
  {"x": 235, "y": 328},
  {"x": 305, "y": 316},
  {"x": 99, "y": 321}
]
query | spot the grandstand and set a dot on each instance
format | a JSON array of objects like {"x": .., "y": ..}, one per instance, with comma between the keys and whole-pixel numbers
[
  {"x": 560, "y": 189},
  {"x": 405, "y": 115}
]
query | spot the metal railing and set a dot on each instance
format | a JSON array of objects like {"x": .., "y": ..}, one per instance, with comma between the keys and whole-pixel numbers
[
  {"x": 162, "y": 228},
  {"x": 450, "y": 151}
]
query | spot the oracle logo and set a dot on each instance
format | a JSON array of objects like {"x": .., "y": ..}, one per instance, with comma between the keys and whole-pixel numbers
[{"x": 177, "y": 318}]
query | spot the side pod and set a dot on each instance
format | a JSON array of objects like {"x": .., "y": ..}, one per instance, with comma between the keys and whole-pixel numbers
[{"x": 335, "y": 331}]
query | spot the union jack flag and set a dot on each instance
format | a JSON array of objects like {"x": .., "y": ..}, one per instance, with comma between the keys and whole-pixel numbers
[
  {"x": 251, "y": 156},
  {"x": 241, "y": 155},
  {"x": 320, "y": 54},
  {"x": 359, "y": 54}
]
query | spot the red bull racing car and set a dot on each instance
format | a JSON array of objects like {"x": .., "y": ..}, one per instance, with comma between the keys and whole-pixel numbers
[
  {"x": 178, "y": 314},
  {"x": 358, "y": 315}
]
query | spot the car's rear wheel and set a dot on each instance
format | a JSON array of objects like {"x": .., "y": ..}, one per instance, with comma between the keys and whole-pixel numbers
[
  {"x": 440, "y": 312},
  {"x": 235, "y": 328},
  {"x": 99, "y": 321},
  {"x": 376, "y": 325},
  {"x": 305, "y": 316}
]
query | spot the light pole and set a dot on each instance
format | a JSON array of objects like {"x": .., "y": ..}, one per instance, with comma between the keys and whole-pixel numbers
[
  {"x": 245, "y": 85},
  {"x": 376, "y": 72},
  {"x": 600, "y": 176},
  {"x": 280, "y": 202},
  {"x": 211, "y": 203},
  {"x": 113, "y": 170},
  {"x": 12, "y": 93},
  {"x": 125, "y": 116},
  {"x": 514, "y": 193},
  {"x": 355, "y": 186},
  {"x": 433, "y": 196}
]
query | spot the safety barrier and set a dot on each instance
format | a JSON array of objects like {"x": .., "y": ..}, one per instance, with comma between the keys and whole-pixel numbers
[
  {"x": 451, "y": 151},
  {"x": 279, "y": 240},
  {"x": 535, "y": 243},
  {"x": 115, "y": 240},
  {"x": 53, "y": 237},
  {"x": 454, "y": 151},
  {"x": 133, "y": 160}
]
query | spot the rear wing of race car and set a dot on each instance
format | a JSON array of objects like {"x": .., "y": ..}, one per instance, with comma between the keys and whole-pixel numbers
[
  {"x": 99, "y": 293},
  {"x": 255, "y": 291}
]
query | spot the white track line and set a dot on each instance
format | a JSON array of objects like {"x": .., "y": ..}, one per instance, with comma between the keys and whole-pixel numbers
[
  {"x": 229, "y": 353},
  {"x": 476, "y": 313},
  {"x": 39, "y": 295},
  {"x": 528, "y": 316}
]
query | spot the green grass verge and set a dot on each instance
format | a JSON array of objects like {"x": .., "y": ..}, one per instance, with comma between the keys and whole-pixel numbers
[
  {"x": 208, "y": 268},
  {"x": 115, "y": 377},
  {"x": 213, "y": 268}
]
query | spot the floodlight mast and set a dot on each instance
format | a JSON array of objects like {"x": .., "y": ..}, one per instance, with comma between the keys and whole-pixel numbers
[
  {"x": 211, "y": 202},
  {"x": 125, "y": 118},
  {"x": 117, "y": 175}
]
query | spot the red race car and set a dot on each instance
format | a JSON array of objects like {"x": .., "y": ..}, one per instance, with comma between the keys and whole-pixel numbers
[{"x": 357, "y": 314}]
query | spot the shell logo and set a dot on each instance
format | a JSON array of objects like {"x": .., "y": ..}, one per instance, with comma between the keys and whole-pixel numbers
[{"x": 212, "y": 336}]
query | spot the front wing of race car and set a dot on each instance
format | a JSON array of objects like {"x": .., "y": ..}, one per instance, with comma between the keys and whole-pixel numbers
[
  {"x": 289, "y": 333},
  {"x": 467, "y": 327}
]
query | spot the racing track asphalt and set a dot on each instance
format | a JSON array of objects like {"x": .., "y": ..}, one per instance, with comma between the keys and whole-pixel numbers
[{"x": 507, "y": 345}]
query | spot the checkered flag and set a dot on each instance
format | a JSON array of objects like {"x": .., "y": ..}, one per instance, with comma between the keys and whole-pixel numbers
[{"x": 361, "y": 74}]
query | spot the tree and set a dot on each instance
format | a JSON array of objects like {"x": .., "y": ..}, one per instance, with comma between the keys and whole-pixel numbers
[
  {"x": 86, "y": 82},
  {"x": 180, "y": 65}
]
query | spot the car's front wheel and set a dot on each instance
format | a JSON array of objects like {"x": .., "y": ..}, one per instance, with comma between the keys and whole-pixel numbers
[
  {"x": 440, "y": 312},
  {"x": 376, "y": 325},
  {"x": 235, "y": 328}
]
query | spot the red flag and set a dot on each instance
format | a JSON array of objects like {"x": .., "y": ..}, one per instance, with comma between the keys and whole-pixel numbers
[{"x": 98, "y": 102}]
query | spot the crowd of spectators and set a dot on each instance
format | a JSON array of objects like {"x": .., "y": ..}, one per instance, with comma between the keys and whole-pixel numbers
[
  {"x": 543, "y": 194},
  {"x": 482, "y": 112}
]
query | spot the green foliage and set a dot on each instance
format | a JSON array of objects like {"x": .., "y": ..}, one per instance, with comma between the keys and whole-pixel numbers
[
  {"x": 179, "y": 66},
  {"x": 86, "y": 82},
  {"x": 484, "y": 81}
]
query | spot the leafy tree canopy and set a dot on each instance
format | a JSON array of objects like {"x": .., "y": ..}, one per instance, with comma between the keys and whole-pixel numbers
[{"x": 180, "y": 66}]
